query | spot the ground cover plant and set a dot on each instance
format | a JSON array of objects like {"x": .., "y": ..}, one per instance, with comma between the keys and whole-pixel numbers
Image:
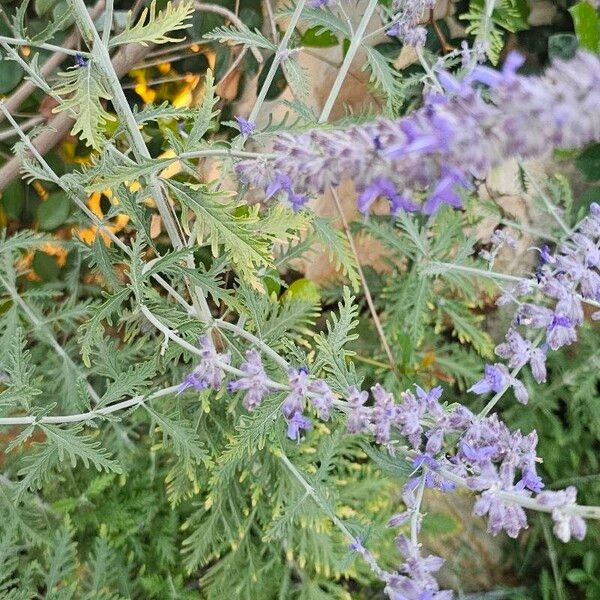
[{"x": 298, "y": 299}]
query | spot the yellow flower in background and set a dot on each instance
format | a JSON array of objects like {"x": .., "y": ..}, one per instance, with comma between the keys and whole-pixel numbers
[{"x": 88, "y": 234}]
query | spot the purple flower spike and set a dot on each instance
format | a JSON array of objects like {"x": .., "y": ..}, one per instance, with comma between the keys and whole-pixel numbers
[{"x": 246, "y": 127}]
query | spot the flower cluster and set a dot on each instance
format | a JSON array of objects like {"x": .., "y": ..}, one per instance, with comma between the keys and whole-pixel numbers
[
  {"x": 562, "y": 282},
  {"x": 566, "y": 524},
  {"x": 499, "y": 239},
  {"x": 209, "y": 371},
  {"x": 437, "y": 150},
  {"x": 254, "y": 381},
  {"x": 414, "y": 579},
  {"x": 407, "y": 16},
  {"x": 448, "y": 446}
]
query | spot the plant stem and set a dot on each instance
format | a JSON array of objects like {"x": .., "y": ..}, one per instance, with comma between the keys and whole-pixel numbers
[
  {"x": 274, "y": 65},
  {"x": 41, "y": 327},
  {"x": 51, "y": 47},
  {"x": 355, "y": 44},
  {"x": 499, "y": 277},
  {"x": 126, "y": 116},
  {"x": 74, "y": 194},
  {"x": 93, "y": 414},
  {"x": 354, "y": 542},
  {"x": 365, "y": 286}
]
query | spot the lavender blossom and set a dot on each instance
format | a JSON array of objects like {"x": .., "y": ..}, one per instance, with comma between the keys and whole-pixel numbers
[
  {"x": 359, "y": 415},
  {"x": 254, "y": 381},
  {"x": 322, "y": 398},
  {"x": 406, "y": 19},
  {"x": 296, "y": 423},
  {"x": 246, "y": 127},
  {"x": 495, "y": 379},
  {"x": 293, "y": 405},
  {"x": 437, "y": 149},
  {"x": 81, "y": 61},
  {"x": 566, "y": 525},
  {"x": 414, "y": 579},
  {"x": 209, "y": 372}
]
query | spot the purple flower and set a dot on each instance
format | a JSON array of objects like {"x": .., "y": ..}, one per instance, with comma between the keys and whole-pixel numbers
[
  {"x": 322, "y": 398},
  {"x": 282, "y": 183},
  {"x": 464, "y": 134},
  {"x": 296, "y": 423},
  {"x": 516, "y": 349},
  {"x": 194, "y": 381},
  {"x": 478, "y": 456},
  {"x": 386, "y": 189},
  {"x": 532, "y": 481},
  {"x": 299, "y": 381},
  {"x": 495, "y": 379},
  {"x": 254, "y": 381},
  {"x": 567, "y": 524},
  {"x": 414, "y": 579},
  {"x": 246, "y": 127},
  {"x": 384, "y": 413},
  {"x": 444, "y": 193},
  {"x": 408, "y": 418},
  {"x": 359, "y": 415},
  {"x": 81, "y": 61},
  {"x": 493, "y": 78},
  {"x": 560, "y": 332},
  {"x": 209, "y": 372}
]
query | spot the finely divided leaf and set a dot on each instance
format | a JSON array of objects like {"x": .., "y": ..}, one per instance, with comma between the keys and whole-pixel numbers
[{"x": 154, "y": 29}]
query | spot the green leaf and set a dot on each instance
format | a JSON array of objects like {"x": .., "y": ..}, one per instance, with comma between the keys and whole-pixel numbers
[
  {"x": 336, "y": 244},
  {"x": 54, "y": 211},
  {"x": 323, "y": 18},
  {"x": 90, "y": 332},
  {"x": 205, "y": 113},
  {"x": 154, "y": 29},
  {"x": 10, "y": 75},
  {"x": 240, "y": 35},
  {"x": 83, "y": 90},
  {"x": 69, "y": 444},
  {"x": 577, "y": 576},
  {"x": 318, "y": 37},
  {"x": 384, "y": 76},
  {"x": 218, "y": 225},
  {"x": 45, "y": 266},
  {"x": 588, "y": 162},
  {"x": 587, "y": 27},
  {"x": 13, "y": 199},
  {"x": 44, "y": 6}
]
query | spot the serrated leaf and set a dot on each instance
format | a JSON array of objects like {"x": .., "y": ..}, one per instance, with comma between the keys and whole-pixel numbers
[
  {"x": 154, "y": 29},
  {"x": 83, "y": 90},
  {"x": 217, "y": 224},
  {"x": 240, "y": 35},
  {"x": 204, "y": 114}
]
